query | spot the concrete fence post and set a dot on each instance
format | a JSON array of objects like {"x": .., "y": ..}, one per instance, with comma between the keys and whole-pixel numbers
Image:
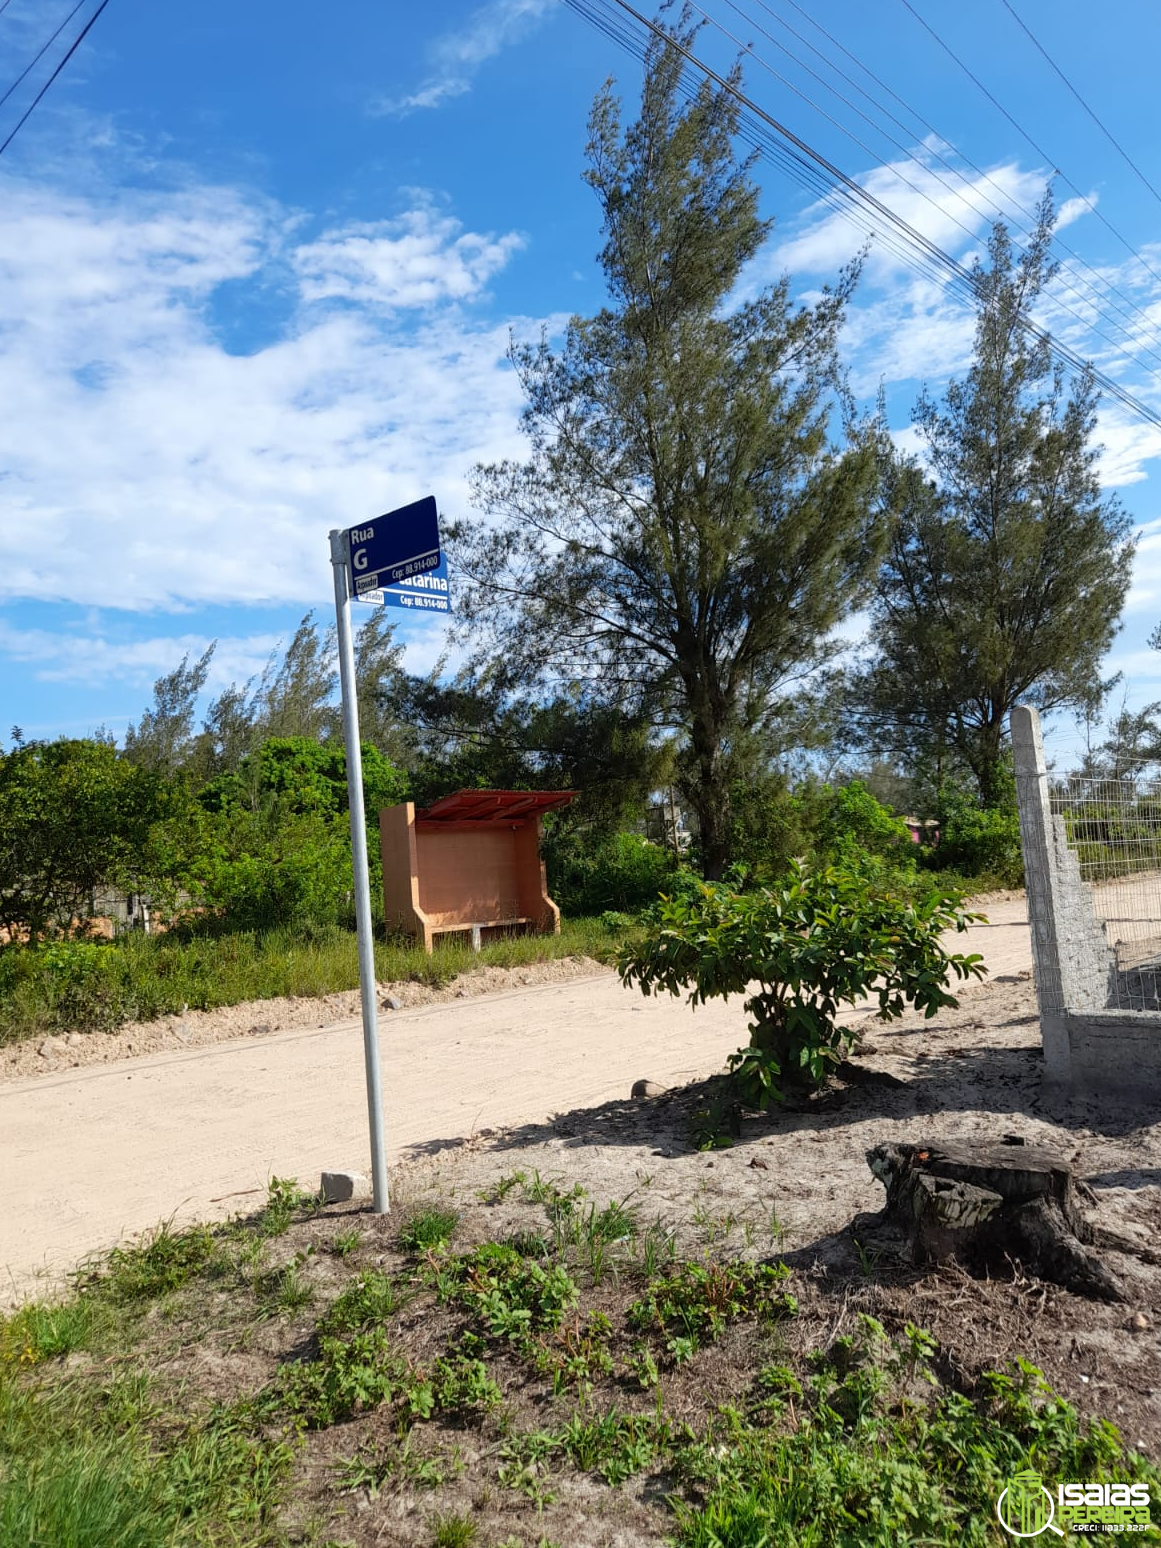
[{"x": 1038, "y": 844}]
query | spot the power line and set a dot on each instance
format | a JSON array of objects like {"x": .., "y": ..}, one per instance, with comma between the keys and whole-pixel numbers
[
  {"x": 76, "y": 43},
  {"x": 968, "y": 231},
  {"x": 1130, "y": 311},
  {"x": 795, "y": 153},
  {"x": 1043, "y": 154},
  {"x": 1113, "y": 141},
  {"x": 39, "y": 55}
]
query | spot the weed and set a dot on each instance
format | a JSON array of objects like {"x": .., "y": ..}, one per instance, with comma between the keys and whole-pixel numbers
[
  {"x": 291, "y": 1291},
  {"x": 461, "y": 1384},
  {"x": 371, "y": 1298},
  {"x": 346, "y": 1375},
  {"x": 578, "y": 1353},
  {"x": 428, "y": 1229},
  {"x": 346, "y": 1242},
  {"x": 284, "y": 1199},
  {"x": 530, "y": 1244},
  {"x": 45, "y": 1332},
  {"x": 658, "y": 1246},
  {"x": 696, "y": 1300},
  {"x": 868, "y": 1258},
  {"x": 370, "y": 1468},
  {"x": 511, "y": 1297},
  {"x": 642, "y": 1366},
  {"x": 453, "y": 1531},
  {"x": 522, "y": 1468},
  {"x": 159, "y": 1263}
]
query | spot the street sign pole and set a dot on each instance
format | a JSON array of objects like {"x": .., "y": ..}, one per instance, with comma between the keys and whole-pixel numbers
[{"x": 341, "y": 564}]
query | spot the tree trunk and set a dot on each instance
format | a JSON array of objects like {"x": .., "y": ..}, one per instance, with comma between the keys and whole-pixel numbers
[
  {"x": 988, "y": 762},
  {"x": 711, "y": 808},
  {"x": 996, "y": 1202}
]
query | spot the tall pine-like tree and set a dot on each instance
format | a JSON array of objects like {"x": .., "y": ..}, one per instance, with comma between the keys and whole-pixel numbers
[
  {"x": 684, "y": 534},
  {"x": 1008, "y": 566}
]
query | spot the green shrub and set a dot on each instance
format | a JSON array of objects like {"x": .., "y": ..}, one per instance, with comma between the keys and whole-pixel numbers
[
  {"x": 849, "y": 820},
  {"x": 622, "y": 873},
  {"x": 980, "y": 842},
  {"x": 821, "y": 940},
  {"x": 768, "y": 828},
  {"x": 71, "y": 985}
]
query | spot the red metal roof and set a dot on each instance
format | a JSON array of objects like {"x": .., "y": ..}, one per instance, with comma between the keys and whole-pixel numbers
[{"x": 484, "y": 806}]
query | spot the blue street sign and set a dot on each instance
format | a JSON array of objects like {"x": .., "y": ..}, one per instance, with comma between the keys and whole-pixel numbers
[
  {"x": 395, "y": 547},
  {"x": 428, "y": 592}
]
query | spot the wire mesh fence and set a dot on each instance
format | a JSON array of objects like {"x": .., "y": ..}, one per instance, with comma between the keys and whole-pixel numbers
[{"x": 1107, "y": 837}]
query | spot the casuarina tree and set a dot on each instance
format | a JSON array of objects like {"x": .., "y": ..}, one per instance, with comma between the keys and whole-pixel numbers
[
  {"x": 1008, "y": 566},
  {"x": 684, "y": 534}
]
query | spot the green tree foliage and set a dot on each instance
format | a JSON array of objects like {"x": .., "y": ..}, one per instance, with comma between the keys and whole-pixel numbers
[
  {"x": 305, "y": 776},
  {"x": 852, "y": 830},
  {"x": 473, "y": 733},
  {"x": 619, "y": 872},
  {"x": 1008, "y": 568},
  {"x": 74, "y": 818},
  {"x": 819, "y": 941},
  {"x": 981, "y": 840},
  {"x": 684, "y": 536},
  {"x": 269, "y": 844},
  {"x": 163, "y": 738},
  {"x": 296, "y": 696},
  {"x": 378, "y": 669}
]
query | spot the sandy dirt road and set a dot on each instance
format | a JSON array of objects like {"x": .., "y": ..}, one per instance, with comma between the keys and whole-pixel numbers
[{"x": 93, "y": 1155}]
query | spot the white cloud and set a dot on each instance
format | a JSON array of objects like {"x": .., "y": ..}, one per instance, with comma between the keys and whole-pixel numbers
[
  {"x": 142, "y": 465},
  {"x": 1127, "y": 444},
  {"x": 96, "y": 658},
  {"x": 947, "y": 209},
  {"x": 457, "y": 56},
  {"x": 1073, "y": 209},
  {"x": 418, "y": 260}
]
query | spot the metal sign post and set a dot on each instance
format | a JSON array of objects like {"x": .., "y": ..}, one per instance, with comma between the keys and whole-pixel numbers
[{"x": 341, "y": 563}]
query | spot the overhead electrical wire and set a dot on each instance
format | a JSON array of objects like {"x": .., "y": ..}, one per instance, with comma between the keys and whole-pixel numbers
[
  {"x": 968, "y": 231},
  {"x": 1109, "y": 136},
  {"x": 1020, "y": 130},
  {"x": 809, "y": 166},
  {"x": 1129, "y": 310},
  {"x": 76, "y": 43},
  {"x": 40, "y": 53},
  {"x": 829, "y": 190}
]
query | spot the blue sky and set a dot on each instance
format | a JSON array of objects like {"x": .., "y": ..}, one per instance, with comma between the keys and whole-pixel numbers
[{"x": 259, "y": 265}]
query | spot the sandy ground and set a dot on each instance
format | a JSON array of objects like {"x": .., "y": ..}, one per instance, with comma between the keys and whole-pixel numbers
[
  {"x": 102, "y": 1151},
  {"x": 259, "y": 1018}
]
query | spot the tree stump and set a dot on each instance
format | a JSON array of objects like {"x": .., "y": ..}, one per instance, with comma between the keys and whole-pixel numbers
[{"x": 987, "y": 1201}]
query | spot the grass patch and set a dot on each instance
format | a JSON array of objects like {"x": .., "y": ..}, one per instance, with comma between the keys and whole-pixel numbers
[
  {"x": 97, "y": 986},
  {"x": 428, "y": 1229},
  {"x": 495, "y": 1391}
]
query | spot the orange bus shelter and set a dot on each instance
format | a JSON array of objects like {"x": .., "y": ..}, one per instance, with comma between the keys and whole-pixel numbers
[{"x": 470, "y": 862}]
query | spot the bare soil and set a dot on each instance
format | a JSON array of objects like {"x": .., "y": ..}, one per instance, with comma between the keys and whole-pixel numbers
[
  {"x": 791, "y": 1187},
  {"x": 797, "y": 1178}
]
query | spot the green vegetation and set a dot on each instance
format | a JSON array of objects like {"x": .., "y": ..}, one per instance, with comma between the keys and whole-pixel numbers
[
  {"x": 695, "y": 516},
  {"x": 473, "y": 1384},
  {"x": 1008, "y": 566},
  {"x": 822, "y": 940},
  {"x": 95, "y": 986}
]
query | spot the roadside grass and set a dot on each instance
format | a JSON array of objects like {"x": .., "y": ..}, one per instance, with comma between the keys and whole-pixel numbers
[
  {"x": 97, "y": 986},
  {"x": 484, "y": 1376}
]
